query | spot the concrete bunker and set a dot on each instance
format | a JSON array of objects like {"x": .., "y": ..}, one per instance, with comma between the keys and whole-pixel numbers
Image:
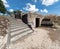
[
  {"x": 46, "y": 22},
  {"x": 36, "y": 20}
]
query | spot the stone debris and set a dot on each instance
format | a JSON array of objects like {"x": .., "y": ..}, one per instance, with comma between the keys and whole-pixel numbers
[{"x": 4, "y": 23}]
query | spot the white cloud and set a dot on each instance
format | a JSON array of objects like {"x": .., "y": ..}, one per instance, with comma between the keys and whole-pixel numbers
[
  {"x": 35, "y": 0},
  {"x": 11, "y": 10},
  {"x": 5, "y": 3},
  {"x": 21, "y": 10},
  {"x": 30, "y": 7},
  {"x": 44, "y": 11},
  {"x": 48, "y": 2}
]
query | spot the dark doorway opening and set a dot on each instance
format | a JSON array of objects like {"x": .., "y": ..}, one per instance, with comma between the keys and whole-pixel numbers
[
  {"x": 37, "y": 22},
  {"x": 25, "y": 18},
  {"x": 46, "y": 23}
]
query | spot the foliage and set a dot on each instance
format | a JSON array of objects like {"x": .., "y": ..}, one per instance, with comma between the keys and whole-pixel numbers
[
  {"x": 17, "y": 11},
  {"x": 2, "y": 7}
]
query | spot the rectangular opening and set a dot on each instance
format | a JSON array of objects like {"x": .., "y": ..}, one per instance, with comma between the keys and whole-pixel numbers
[{"x": 37, "y": 22}]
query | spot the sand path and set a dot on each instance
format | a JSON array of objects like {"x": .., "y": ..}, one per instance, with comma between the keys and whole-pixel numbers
[{"x": 37, "y": 40}]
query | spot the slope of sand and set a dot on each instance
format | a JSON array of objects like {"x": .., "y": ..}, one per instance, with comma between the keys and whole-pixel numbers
[{"x": 37, "y": 40}]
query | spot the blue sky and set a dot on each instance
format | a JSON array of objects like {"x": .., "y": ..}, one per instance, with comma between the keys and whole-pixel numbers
[{"x": 41, "y": 6}]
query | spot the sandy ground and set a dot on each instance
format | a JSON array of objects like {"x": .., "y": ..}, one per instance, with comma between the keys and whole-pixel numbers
[{"x": 40, "y": 39}]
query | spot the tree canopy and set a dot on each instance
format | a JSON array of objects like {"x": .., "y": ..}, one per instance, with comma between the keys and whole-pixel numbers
[
  {"x": 2, "y": 7},
  {"x": 17, "y": 11}
]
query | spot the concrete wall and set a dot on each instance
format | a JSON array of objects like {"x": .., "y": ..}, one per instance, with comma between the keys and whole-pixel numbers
[{"x": 32, "y": 18}]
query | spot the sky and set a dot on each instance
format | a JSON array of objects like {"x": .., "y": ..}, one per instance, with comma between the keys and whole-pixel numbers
[{"x": 41, "y": 6}]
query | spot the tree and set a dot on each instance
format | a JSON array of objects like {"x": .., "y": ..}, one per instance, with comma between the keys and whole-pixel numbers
[
  {"x": 17, "y": 14},
  {"x": 2, "y": 7}
]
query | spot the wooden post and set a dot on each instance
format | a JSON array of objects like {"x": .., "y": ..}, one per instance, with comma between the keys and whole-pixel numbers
[{"x": 8, "y": 37}]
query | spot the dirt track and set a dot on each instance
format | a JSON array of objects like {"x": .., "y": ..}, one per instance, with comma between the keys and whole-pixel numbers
[{"x": 40, "y": 39}]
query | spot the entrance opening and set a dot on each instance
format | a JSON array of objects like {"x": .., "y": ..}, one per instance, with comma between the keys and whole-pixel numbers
[
  {"x": 37, "y": 22},
  {"x": 25, "y": 18},
  {"x": 46, "y": 23}
]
